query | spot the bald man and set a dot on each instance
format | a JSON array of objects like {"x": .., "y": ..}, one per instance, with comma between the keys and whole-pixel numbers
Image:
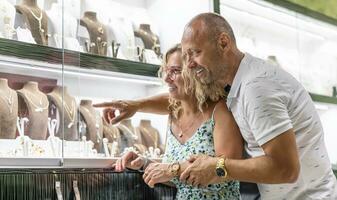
[{"x": 283, "y": 135}]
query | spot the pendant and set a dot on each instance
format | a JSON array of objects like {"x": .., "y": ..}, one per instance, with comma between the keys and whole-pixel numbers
[
  {"x": 39, "y": 110},
  {"x": 100, "y": 30},
  {"x": 70, "y": 124},
  {"x": 42, "y": 30}
]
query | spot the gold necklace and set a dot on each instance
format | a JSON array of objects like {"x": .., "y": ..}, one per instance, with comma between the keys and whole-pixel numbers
[
  {"x": 94, "y": 118},
  {"x": 39, "y": 19},
  {"x": 39, "y": 108},
  {"x": 155, "y": 139},
  {"x": 132, "y": 133},
  {"x": 155, "y": 47},
  {"x": 9, "y": 100},
  {"x": 189, "y": 126},
  {"x": 70, "y": 111}
]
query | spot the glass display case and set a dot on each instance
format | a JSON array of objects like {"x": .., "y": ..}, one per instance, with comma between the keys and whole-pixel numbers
[{"x": 58, "y": 58}]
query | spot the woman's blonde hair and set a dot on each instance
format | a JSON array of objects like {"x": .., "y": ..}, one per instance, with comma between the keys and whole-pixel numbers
[
  {"x": 202, "y": 92},
  {"x": 174, "y": 105}
]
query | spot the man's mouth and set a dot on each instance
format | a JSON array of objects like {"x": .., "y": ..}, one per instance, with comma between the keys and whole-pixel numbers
[{"x": 199, "y": 71}]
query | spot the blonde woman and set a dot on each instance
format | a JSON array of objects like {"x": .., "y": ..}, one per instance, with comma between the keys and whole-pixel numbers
[{"x": 198, "y": 124}]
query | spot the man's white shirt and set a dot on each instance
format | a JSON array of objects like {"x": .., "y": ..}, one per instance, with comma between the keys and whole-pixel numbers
[{"x": 266, "y": 101}]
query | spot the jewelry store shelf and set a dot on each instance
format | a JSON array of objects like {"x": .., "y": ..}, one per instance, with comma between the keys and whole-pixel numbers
[
  {"x": 323, "y": 98},
  {"x": 52, "y": 55}
]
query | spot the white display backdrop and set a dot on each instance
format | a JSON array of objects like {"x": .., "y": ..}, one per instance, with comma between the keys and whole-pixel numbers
[{"x": 303, "y": 46}]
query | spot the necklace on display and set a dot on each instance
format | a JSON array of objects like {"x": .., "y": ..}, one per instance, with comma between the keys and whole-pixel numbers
[
  {"x": 38, "y": 108},
  {"x": 9, "y": 100},
  {"x": 153, "y": 37},
  {"x": 39, "y": 19},
  {"x": 133, "y": 133},
  {"x": 69, "y": 110},
  {"x": 189, "y": 126},
  {"x": 95, "y": 120},
  {"x": 100, "y": 28},
  {"x": 155, "y": 139}
]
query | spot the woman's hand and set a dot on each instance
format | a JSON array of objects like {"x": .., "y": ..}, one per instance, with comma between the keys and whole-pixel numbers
[
  {"x": 130, "y": 160},
  {"x": 157, "y": 173}
]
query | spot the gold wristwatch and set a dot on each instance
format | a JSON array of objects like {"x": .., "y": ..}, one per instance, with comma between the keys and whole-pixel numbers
[
  {"x": 174, "y": 168},
  {"x": 220, "y": 169}
]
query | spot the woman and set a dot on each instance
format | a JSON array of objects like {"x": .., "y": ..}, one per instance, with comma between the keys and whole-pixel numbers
[{"x": 196, "y": 125}]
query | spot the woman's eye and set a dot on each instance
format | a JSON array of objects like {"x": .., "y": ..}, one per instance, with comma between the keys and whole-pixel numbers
[{"x": 176, "y": 71}]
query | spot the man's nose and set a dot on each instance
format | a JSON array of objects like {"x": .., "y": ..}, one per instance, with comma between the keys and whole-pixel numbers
[{"x": 192, "y": 64}]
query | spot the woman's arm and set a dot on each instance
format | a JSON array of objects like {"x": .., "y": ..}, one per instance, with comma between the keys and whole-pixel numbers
[{"x": 157, "y": 104}]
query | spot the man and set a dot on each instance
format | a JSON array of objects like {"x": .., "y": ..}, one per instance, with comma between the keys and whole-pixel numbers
[{"x": 276, "y": 116}]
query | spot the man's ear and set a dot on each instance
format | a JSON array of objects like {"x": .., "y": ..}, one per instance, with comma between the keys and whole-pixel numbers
[{"x": 224, "y": 41}]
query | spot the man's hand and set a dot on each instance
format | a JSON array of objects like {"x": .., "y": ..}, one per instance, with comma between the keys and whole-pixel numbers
[
  {"x": 201, "y": 172},
  {"x": 129, "y": 160},
  {"x": 157, "y": 173},
  {"x": 126, "y": 109}
]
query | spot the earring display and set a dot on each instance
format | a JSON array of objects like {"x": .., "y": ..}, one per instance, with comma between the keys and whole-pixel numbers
[
  {"x": 151, "y": 43},
  {"x": 36, "y": 19},
  {"x": 97, "y": 33}
]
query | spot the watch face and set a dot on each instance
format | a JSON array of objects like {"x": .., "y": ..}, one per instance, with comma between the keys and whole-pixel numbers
[
  {"x": 220, "y": 172},
  {"x": 175, "y": 167}
]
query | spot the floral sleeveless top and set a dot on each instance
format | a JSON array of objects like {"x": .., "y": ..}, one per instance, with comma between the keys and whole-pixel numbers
[{"x": 201, "y": 142}]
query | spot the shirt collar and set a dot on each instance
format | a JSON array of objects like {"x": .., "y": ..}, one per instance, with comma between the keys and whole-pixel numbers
[{"x": 242, "y": 71}]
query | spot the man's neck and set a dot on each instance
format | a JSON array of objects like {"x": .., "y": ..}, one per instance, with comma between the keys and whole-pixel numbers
[{"x": 233, "y": 67}]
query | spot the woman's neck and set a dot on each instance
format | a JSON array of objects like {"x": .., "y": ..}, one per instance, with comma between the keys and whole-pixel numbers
[
  {"x": 29, "y": 2},
  {"x": 189, "y": 107}
]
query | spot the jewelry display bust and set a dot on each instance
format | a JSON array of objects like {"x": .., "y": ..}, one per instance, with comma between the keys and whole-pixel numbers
[
  {"x": 150, "y": 40},
  {"x": 149, "y": 135},
  {"x": 66, "y": 106},
  {"x": 128, "y": 133},
  {"x": 7, "y": 16},
  {"x": 112, "y": 133},
  {"x": 37, "y": 105},
  {"x": 36, "y": 19},
  {"x": 97, "y": 33},
  {"x": 8, "y": 110},
  {"x": 94, "y": 124}
]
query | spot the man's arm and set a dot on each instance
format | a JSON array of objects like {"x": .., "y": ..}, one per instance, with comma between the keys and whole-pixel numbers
[
  {"x": 280, "y": 164},
  {"x": 155, "y": 104}
]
